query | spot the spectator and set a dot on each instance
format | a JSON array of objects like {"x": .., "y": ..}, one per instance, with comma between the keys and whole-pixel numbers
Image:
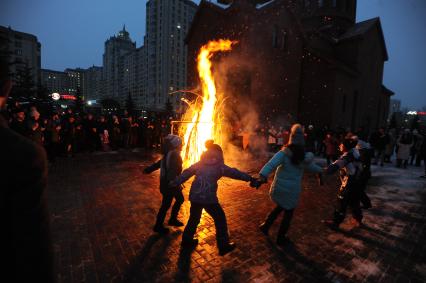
[
  {"x": 404, "y": 144},
  {"x": 26, "y": 245}
]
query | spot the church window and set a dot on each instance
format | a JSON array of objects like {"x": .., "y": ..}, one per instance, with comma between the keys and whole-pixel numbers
[
  {"x": 321, "y": 3},
  {"x": 284, "y": 44},
  {"x": 334, "y": 3},
  {"x": 275, "y": 37}
]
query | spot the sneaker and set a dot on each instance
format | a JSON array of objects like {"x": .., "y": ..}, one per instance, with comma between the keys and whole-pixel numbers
[
  {"x": 189, "y": 244},
  {"x": 161, "y": 229},
  {"x": 229, "y": 247},
  {"x": 330, "y": 224},
  {"x": 175, "y": 223},
  {"x": 264, "y": 228}
]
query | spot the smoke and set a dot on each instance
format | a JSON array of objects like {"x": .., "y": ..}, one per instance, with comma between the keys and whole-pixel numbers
[{"x": 244, "y": 139}]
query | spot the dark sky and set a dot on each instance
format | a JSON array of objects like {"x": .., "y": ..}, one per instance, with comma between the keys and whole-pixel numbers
[{"x": 72, "y": 34}]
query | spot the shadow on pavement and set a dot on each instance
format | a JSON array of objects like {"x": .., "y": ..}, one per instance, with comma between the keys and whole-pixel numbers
[
  {"x": 184, "y": 265},
  {"x": 139, "y": 269},
  {"x": 291, "y": 258}
]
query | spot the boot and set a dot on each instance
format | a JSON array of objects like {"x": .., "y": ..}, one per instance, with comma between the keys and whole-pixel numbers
[
  {"x": 264, "y": 227},
  {"x": 226, "y": 248},
  {"x": 174, "y": 222},
  {"x": 161, "y": 229}
]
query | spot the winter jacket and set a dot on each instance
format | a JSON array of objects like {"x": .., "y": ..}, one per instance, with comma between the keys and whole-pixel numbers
[
  {"x": 286, "y": 187},
  {"x": 349, "y": 166},
  {"x": 405, "y": 142},
  {"x": 171, "y": 167},
  {"x": 207, "y": 172}
]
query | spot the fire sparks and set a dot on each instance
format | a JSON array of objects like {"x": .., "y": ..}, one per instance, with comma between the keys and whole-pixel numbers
[{"x": 204, "y": 114}]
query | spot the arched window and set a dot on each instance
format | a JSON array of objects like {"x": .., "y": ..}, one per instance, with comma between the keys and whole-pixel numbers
[
  {"x": 320, "y": 3},
  {"x": 275, "y": 37}
]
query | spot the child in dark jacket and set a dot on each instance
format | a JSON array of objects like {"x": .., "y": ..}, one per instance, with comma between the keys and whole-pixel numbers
[
  {"x": 203, "y": 195},
  {"x": 170, "y": 167},
  {"x": 350, "y": 168}
]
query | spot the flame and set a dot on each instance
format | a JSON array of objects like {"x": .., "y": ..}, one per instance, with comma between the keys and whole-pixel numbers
[{"x": 205, "y": 115}]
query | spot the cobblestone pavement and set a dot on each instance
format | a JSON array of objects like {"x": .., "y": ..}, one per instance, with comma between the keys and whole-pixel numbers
[{"x": 103, "y": 209}]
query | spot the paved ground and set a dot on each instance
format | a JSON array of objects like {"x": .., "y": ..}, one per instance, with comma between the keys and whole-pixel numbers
[{"x": 103, "y": 209}]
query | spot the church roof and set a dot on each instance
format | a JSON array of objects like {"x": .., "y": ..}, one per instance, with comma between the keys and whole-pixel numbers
[
  {"x": 387, "y": 91},
  {"x": 361, "y": 28}
]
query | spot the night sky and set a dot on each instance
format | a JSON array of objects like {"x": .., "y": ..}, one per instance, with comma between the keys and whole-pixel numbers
[{"x": 72, "y": 34}]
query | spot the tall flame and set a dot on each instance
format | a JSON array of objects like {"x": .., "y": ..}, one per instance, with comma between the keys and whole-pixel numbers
[{"x": 205, "y": 116}]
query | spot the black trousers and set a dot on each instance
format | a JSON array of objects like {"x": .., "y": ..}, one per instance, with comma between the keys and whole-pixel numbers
[
  {"x": 349, "y": 196},
  {"x": 285, "y": 222},
  {"x": 363, "y": 197},
  {"x": 174, "y": 193},
  {"x": 218, "y": 215}
]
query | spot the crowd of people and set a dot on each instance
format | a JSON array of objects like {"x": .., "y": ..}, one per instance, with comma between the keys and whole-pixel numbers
[
  {"x": 67, "y": 133},
  {"x": 400, "y": 147}
]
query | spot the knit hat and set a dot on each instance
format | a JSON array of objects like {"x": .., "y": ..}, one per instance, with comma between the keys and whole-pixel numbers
[
  {"x": 174, "y": 140},
  {"x": 213, "y": 154},
  {"x": 297, "y": 136}
]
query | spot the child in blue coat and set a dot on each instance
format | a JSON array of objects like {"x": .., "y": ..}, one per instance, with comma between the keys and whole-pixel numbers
[
  {"x": 289, "y": 165},
  {"x": 203, "y": 195}
]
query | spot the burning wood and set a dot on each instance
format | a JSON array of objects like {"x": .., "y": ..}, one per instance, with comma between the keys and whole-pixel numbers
[{"x": 204, "y": 115}]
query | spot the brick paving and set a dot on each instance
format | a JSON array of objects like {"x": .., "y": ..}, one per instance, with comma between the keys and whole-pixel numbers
[{"x": 103, "y": 209}]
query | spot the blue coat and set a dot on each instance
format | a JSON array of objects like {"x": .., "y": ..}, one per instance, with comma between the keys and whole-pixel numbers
[
  {"x": 286, "y": 187},
  {"x": 207, "y": 172}
]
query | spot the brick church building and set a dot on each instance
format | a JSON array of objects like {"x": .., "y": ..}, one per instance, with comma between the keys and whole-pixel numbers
[{"x": 297, "y": 60}]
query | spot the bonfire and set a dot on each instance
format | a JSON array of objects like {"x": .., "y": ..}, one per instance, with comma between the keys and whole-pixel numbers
[{"x": 204, "y": 115}]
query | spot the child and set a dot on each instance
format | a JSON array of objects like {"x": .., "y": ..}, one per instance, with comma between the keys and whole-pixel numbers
[
  {"x": 290, "y": 163},
  {"x": 203, "y": 195},
  {"x": 171, "y": 167},
  {"x": 350, "y": 168}
]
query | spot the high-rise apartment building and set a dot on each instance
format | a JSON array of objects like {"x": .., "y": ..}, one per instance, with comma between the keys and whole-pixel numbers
[
  {"x": 92, "y": 83},
  {"x": 24, "y": 51},
  {"x": 167, "y": 23},
  {"x": 113, "y": 66},
  {"x": 76, "y": 80},
  {"x": 55, "y": 81}
]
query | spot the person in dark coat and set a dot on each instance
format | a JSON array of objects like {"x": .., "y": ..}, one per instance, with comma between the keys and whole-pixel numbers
[
  {"x": 349, "y": 166},
  {"x": 171, "y": 167},
  {"x": 18, "y": 123},
  {"x": 90, "y": 130},
  {"x": 25, "y": 238},
  {"x": 203, "y": 195}
]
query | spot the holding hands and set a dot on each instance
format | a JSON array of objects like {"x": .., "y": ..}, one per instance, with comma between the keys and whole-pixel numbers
[{"x": 257, "y": 182}]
